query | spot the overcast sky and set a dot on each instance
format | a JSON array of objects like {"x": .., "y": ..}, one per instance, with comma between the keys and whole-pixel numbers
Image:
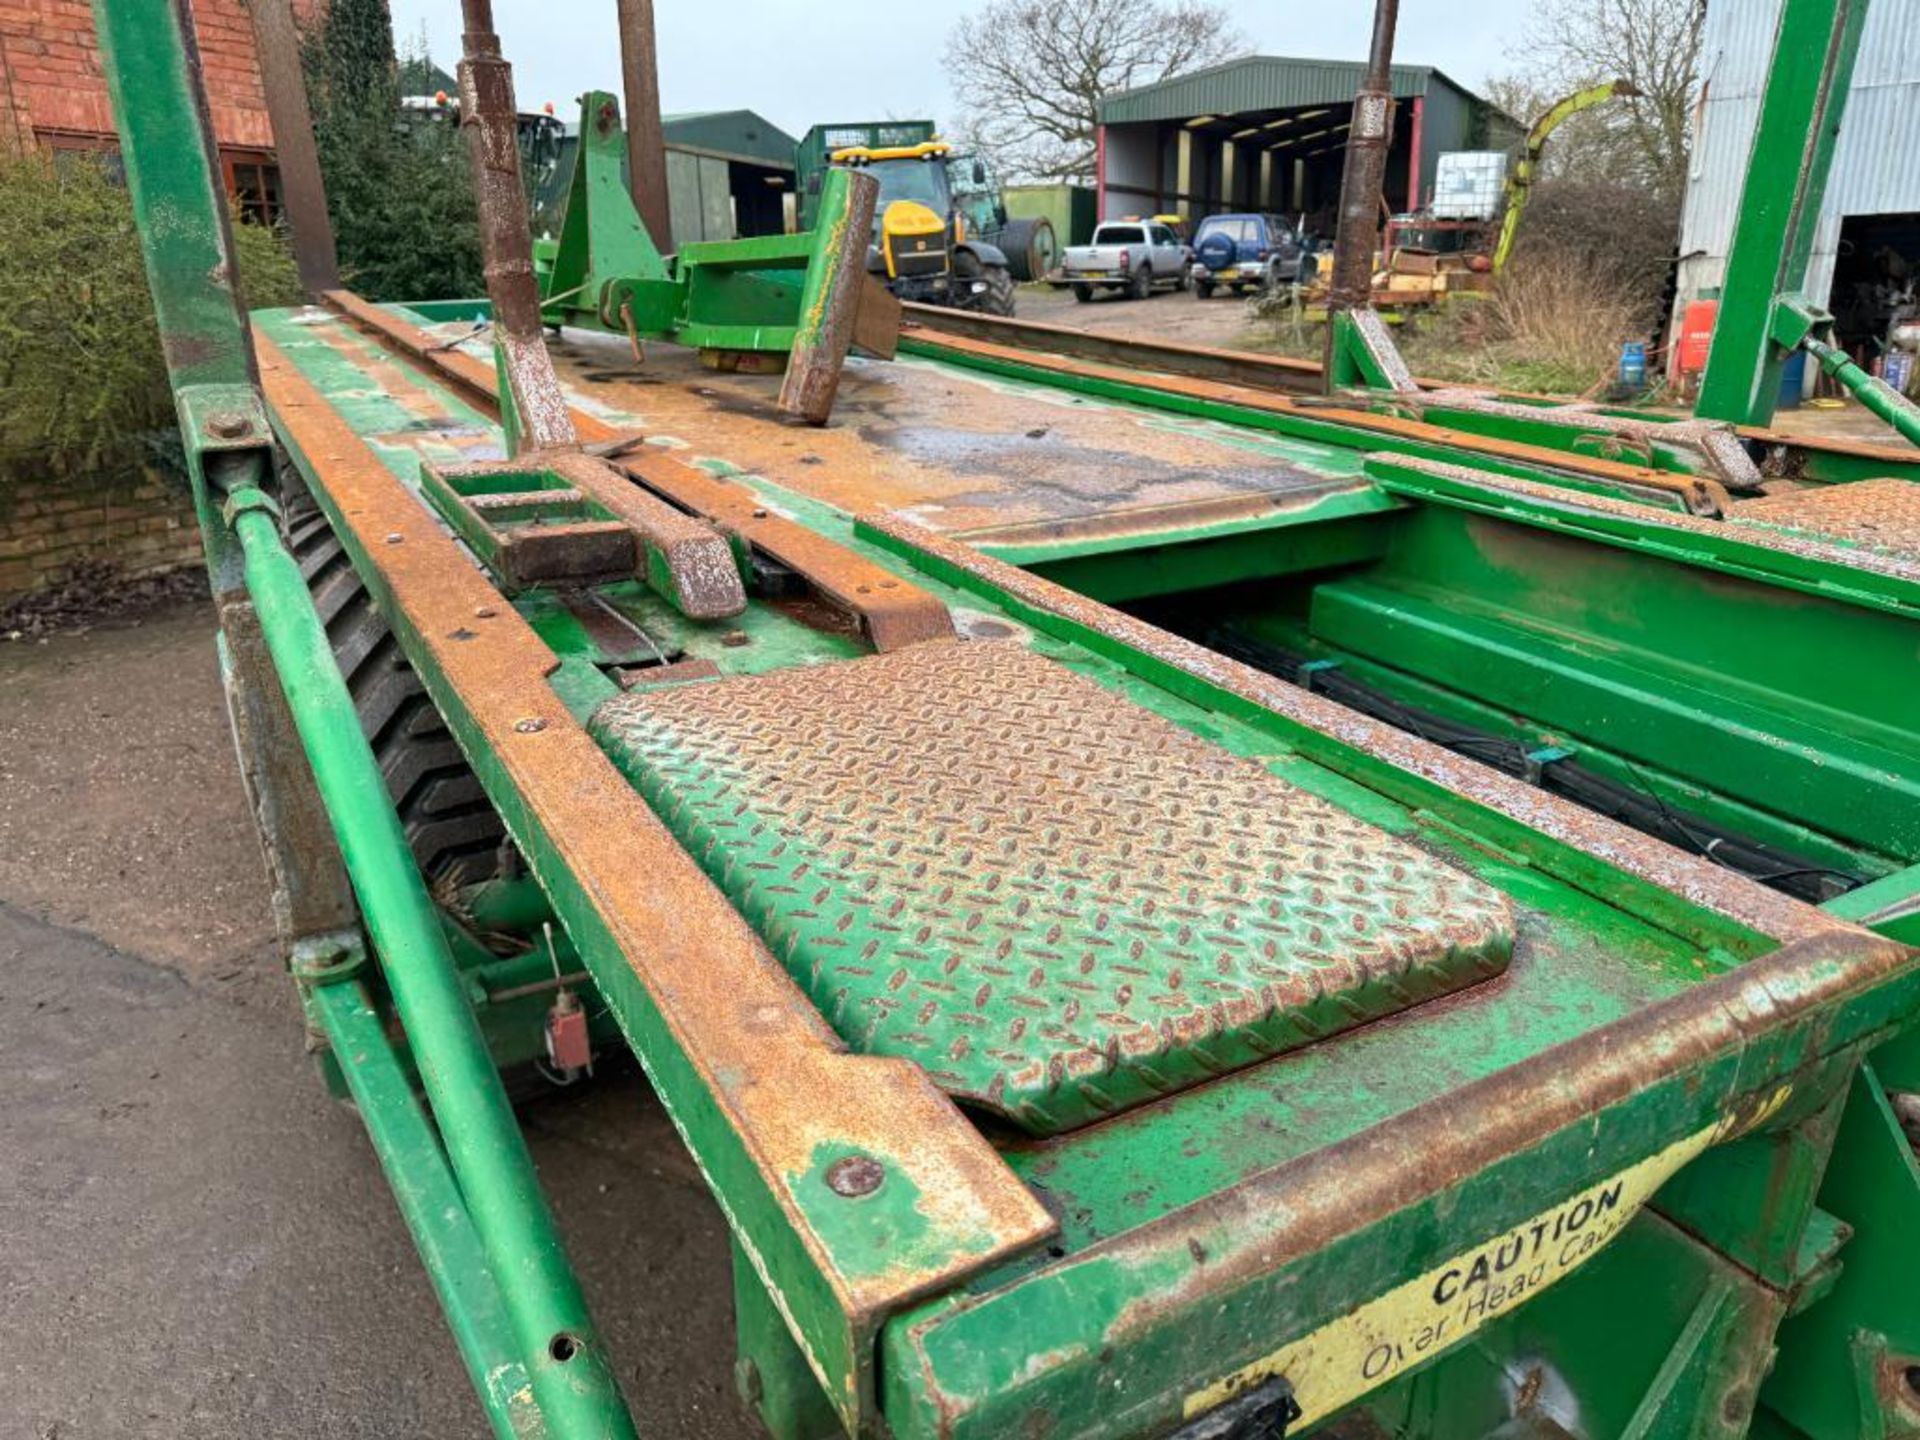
[{"x": 802, "y": 62}]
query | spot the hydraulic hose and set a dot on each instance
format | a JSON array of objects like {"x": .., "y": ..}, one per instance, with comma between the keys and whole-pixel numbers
[{"x": 565, "y": 1359}]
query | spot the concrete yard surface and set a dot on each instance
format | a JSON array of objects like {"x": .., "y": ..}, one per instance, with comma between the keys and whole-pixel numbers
[{"x": 200, "y": 1242}]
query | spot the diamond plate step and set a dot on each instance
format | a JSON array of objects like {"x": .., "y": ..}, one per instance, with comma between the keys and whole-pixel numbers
[
  {"x": 1056, "y": 902},
  {"x": 1881, "y": 515}
]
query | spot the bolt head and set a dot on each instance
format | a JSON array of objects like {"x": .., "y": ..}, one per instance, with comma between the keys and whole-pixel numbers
[
  {"x": 855, "y": 1176},
  {"x": 228, "y": 425},
  {"x": 532, "y": 725}
]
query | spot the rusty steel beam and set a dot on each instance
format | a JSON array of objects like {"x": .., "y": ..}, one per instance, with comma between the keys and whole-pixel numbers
[
  {"x": 490, "y": 117},
  {"x": 276, "y": 40},
  {"x": 646, "y": 143},
  {"x": 1139, "y": 351},
  {"x": 891, "y": 612},
  {"x": 1364, "y": 174}
]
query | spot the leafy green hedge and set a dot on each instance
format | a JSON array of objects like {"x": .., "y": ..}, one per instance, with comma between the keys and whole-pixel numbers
[{"x": 81, "y": 377}]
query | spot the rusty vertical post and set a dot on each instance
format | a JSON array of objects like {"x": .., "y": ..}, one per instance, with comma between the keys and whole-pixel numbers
[
  {"x": 1362, "y": 184},
  {"x": 646, "y": 144},
  {"x": 276, "y": 41},
  {"x": 1363, "y": 177},
  {"x": 489, "y": 116}
]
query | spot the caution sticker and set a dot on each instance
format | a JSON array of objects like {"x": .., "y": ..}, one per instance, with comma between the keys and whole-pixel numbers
[{"x": 1392, "y": 1333}]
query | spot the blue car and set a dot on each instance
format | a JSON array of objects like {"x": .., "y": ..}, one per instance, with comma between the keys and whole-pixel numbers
[{"x": 1243, "y": 251}]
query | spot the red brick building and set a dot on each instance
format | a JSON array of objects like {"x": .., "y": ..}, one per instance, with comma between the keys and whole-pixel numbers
[{"x": 52, "y": 94}]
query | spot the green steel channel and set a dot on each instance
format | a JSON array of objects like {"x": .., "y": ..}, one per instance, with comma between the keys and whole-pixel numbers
[
  {"x": 571, "y": 1380},
  {"x": 429, "y": 1198}
]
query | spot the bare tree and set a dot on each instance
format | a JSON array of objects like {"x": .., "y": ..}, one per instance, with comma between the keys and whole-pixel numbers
[
  {"x": 1028, "y": 73},
  {"x": 1655, "y": 44}
]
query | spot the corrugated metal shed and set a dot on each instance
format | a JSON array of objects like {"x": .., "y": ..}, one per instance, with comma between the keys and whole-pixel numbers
[
  {"x": 1876, "y": 163},
  {"x": 1260, "y": 82},
  {"x": 739, "y": 135}
]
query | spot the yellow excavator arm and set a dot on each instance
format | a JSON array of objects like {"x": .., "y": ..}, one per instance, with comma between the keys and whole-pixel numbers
[{"x": 1521, "y": 180}]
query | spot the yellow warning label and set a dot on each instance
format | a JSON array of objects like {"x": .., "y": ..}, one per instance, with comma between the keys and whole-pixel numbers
[{"x": 1396, "y": 1331}]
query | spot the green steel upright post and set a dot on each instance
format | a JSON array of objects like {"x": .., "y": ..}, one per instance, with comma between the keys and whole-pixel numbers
[{"x": 1800, "y": 110}]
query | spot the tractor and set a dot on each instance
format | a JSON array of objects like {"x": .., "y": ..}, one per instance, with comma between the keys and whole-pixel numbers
[{"x": 941, "y": 235}]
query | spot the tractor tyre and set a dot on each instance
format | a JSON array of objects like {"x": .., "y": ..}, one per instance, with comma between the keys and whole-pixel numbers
[
  {"x": 456, "y": 836},
  {"x": 1030, "y": 247},
  {"x": 997, "y": 298},
  {"x": 1141, "y": 285}
]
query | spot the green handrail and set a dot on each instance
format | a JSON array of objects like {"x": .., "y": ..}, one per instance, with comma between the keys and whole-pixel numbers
[
  {"x": 563, "y": 1355},
  {"x": 429, "y": 1198}
]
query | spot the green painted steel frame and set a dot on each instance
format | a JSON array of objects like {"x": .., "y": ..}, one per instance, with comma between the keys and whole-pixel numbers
[
  {"x": 1085, "y": 1312},
  {"x": 566, "y": 1388},
  {"x": 1305, "y": 425},
  {"x": 1801, "y": 105},
  {"x": 1852, "y": 1027},
  {"x": 607, "y": 273}
]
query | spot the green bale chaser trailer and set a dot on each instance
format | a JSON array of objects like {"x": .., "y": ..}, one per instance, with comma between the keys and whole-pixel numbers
[{"x": 1160, "y": 905}]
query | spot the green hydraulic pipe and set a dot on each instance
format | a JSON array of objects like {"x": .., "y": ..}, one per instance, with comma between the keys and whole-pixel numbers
[
  {"x": 1871, "y": 391},
  {"x": 429, "y": 1199},
  {"x": 572, "y": 1382}
]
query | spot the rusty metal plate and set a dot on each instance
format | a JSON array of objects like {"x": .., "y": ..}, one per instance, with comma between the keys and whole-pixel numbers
[
  {"x": 1055, "y": 902},
  {"x": 1881, "y": 515}
]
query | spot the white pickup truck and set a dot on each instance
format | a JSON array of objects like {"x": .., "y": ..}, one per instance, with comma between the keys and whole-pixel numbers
[{"x": 1132, "y": 257}]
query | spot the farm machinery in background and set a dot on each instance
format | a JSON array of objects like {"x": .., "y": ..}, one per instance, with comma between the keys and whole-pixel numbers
[
  {"x": 941, "y": 235},
  {"x": 1167, "y": 893},
  {"x": 1464, "y": 238}
]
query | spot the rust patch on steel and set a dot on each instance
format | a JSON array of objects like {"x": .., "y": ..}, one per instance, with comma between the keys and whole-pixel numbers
[
  {"x": 1697, "y": 881},
  {"x": 891, "y": 611},
  {"x": 1299, "y": 377},
  {"x": 876, "y": 319},
  {"x": 1053, "y": 932},
  {"x": 1713, "y": 441},
  {"x": 1694, "y": 491},
  {"x": 679, "y": 673},
  {"x": 468, "y": 374},
  {"x": 780, "y": 1077},
  {"x": 704, "y": 582},
  {"x": 1160, "y": 518},
  {"x": 1882, "y": 515},
  {"x": 487, "y": 114}
]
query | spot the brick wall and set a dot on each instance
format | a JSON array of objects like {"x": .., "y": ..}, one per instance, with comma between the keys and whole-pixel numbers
[
  {"x": 52, "y": 91},
  {"x": 141, "y": 524},
  {"x": 51, "y": 85}
]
